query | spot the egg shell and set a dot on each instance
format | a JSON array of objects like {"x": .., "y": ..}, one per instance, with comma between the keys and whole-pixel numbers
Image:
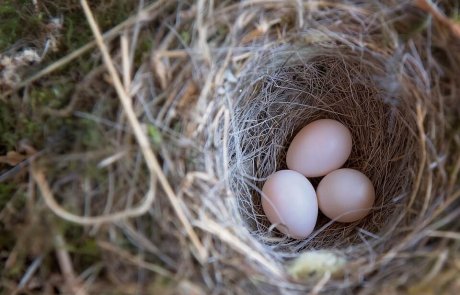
[
  {"x": 289, "y": 200},
  {"x": 319, "y": 148},
  {"x": 345, "y": 195}
]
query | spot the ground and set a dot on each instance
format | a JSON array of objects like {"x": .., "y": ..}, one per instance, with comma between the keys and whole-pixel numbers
[{"x": 46, "y": 31}]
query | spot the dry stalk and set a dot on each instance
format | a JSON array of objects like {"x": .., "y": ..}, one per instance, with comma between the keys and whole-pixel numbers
[
  {"x": 65, "y": 262},
  {"x": 144, "y": 144}
]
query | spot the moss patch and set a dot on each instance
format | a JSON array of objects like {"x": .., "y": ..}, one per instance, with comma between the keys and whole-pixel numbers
[{"x": 19, "y": 22}]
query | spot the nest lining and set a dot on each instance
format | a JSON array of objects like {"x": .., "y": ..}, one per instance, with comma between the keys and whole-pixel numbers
[{"x": 298, "y": 87}]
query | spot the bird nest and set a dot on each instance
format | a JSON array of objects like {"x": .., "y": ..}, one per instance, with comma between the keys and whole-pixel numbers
[{"x": 220, "y": 97}]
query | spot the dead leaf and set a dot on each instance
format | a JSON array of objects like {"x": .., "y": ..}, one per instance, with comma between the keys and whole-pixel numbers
[
  {"x": 160, "y": 70},
  {"x": 12, "y": 158}
]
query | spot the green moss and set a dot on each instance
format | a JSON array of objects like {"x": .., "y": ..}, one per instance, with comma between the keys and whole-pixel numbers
[
  {"x": 12, "y": 220},
  {"x": 76, "y": 31},
  {"x": 6, "y": 192},
  {"x": 455, "y": 12},
  {"x": 18, "y": 122},
  {"x": 89, "y": 247},
  {"x": 7, "y": 134},
  {"x": 95, "y": 173},
  {"x": 15, "y": 125},
  {"x": 412, "y": 28},
  {"x": 185, "y": 36},
  {"x": 162, "y": 285},
  {"x": 155, "y": 134},
  {"x": 82, "y": 248},
  {"x": 53, "y": 96},
  {"x": 144, "y": 48},
  {"x": 21, "y": 20},
  {"x": 18, "y": 21},
  {"x": 89, "y": 134}
]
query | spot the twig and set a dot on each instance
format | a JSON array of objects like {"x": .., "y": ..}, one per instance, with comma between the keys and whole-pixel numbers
[
  {"x": 444, "y": 234},
  {"x": 16, "y": 169},
  {"x": 65, "y": 263},
  {"x": 420, "y": 119},
  {"x": 134, "y": 260},
  {"x": 30, "y": 271},
  {"x": 300, "y": 10},
  {"x": 126, "y": 62},
  {"x": 51, "y": 202},
  {"x": 145, "y": 243},
  {"x": 321, "y": 283},
  {"x": 224, "y": 235}
]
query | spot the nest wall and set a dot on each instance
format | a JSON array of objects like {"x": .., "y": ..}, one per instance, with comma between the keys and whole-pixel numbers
[
  {"x": 269, "y": 81},
  {"x": 390, "y": 93}
]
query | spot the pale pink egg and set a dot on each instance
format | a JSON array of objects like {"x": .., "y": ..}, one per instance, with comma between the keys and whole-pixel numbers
[
  {"x": 345, "y": 195},
  {"x": 289, "y": 201},
  {"x": 319, "y": 148}
]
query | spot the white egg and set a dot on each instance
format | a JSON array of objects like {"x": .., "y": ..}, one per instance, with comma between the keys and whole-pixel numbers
[
  {"x": 319, "y": 148},
  {"x": 289, "y": 201},
  {"x": 345, "y": 195}
]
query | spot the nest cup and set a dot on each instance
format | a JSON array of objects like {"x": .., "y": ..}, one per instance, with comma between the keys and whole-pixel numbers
[
  {"x": 299, "y": 86},
  {"x": 401, "y": 136}
]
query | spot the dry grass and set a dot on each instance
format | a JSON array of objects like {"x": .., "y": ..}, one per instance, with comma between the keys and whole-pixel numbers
[{"x": 169, "y": 187}]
